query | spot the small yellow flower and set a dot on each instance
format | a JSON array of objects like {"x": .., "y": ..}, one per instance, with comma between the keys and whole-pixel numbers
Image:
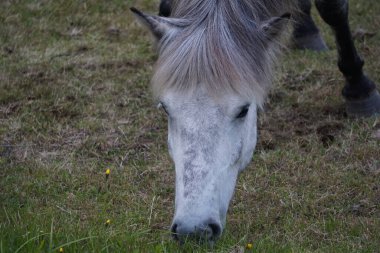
[
  {"x": 60, "y": 250},
  {"x": 249, "y": 246},
  {"x": 108, "y": 171},
  {"x": 108, "y": 222}
]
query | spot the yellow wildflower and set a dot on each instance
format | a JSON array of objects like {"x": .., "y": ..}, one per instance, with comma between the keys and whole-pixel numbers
[
  {"x": 108, "y": 222},
  {"x": 108, "y": 171},
  {"x": 60, "y": 250},
  {"x": 249, "y": 246}
]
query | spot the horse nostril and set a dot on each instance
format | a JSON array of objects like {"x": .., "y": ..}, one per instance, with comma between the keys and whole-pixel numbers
[
  {"x": 208, "y": 231},
  {"x": 216, "y": 229}
]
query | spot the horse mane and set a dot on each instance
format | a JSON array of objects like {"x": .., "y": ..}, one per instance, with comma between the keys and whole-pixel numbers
[{"x": 220, "y": 46}]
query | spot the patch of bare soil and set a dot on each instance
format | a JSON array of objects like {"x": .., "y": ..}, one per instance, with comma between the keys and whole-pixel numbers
[
  {"x": 278, "y": 126},
  {"x": 328, "y": 132},
  {"x": 110, "y": 65}
]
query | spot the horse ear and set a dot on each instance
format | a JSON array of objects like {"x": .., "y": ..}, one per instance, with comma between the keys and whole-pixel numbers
[
  {"x": 157, "y": 25},
  {"x": 274, "y": 27}
]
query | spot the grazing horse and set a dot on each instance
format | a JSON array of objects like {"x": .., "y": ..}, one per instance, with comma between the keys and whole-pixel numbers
[{"x": 213, "y": 73}]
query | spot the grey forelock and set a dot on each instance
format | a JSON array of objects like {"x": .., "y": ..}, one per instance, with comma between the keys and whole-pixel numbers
[
  {"x": 259, "y": 9},
  {"x": 221, "y": 47}
]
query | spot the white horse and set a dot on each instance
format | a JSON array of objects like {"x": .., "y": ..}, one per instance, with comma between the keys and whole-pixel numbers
[{"x": 213, "y": 74}]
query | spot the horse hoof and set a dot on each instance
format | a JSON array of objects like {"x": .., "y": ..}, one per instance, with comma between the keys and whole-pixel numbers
[
  {"x": 312, "y": 42},
  {"x": 366, "y": 107}
]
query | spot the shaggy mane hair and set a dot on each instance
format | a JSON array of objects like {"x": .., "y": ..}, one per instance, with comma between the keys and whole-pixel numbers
[{"x": 221, "y": 45}]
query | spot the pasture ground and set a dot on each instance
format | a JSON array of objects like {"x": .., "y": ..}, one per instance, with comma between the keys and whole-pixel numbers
[{"x": 74, "y": 100}]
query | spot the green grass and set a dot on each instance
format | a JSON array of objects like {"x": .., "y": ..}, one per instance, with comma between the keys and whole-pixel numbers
[{"x": 75, "y": 100}]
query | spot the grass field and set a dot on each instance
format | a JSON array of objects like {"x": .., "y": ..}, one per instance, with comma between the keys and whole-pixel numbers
[{"x": 75, "y": 100}]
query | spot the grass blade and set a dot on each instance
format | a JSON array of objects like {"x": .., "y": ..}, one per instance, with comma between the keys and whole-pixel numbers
[
  {"x": 72, "y": 242},
  {"x": 51, "y": 235},
  {"x": 31, "y": 239}
]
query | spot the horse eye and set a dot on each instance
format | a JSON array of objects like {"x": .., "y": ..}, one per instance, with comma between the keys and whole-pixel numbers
[
  {"x": 161, "y": 105},
  {"x": 243, "y": 112}
]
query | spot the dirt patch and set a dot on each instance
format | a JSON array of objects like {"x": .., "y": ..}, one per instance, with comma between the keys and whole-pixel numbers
[
  {"x": 277, "y": 125},
  {"x": 327, "y": 132},
  {"x": 110, "y": 65}
]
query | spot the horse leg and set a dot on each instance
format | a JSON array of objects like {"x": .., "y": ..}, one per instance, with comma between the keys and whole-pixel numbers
[
  {"x": 165, "y": 8},
  {"x": 306, "y": 34},
  {"x": 362, "y": 98}
]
